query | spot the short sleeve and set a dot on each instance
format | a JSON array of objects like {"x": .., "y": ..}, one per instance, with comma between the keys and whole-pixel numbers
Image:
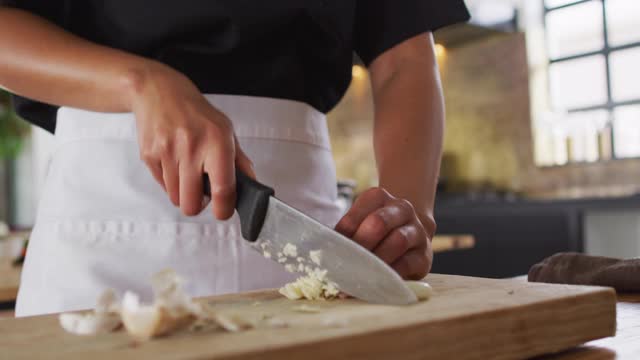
[{"x": 382, "y": 24}]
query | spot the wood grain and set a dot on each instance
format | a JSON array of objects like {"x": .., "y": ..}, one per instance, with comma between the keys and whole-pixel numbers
[
  {"x": 624, "y": 346},
  {"x": 468, "y": 318}
]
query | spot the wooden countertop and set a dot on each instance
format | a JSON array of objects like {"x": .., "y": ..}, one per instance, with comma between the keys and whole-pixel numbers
[
  {"x": 624, "y": 346},
  {"x": 9, "y": 280}
]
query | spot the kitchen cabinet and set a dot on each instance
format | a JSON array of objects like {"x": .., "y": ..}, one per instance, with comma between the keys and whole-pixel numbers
[
  {"x": 508, "y": 240},
  {"x": 511, "y": 235}
]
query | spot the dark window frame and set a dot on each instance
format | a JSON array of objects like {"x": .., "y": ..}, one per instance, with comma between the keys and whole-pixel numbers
[{"x": 605, "y": 51}]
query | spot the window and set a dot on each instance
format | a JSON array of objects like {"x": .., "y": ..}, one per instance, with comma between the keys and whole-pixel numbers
[{"x": 594, "y": 52}]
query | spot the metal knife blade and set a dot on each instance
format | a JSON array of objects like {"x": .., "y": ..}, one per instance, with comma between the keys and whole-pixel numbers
[
  {"x": 355, "y": 270},
  {"x": 270, "y": 224}
]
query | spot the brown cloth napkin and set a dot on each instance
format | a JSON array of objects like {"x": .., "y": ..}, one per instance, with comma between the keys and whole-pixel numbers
[{"x": 581, "y": 269}]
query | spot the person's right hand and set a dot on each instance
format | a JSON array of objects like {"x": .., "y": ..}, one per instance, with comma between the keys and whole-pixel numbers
[{"x": 181, "y": 136}]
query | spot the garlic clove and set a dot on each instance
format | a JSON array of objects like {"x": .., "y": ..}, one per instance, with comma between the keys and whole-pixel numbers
[
  {"x": 422, "y": 290},
  {"x": 89, "y": 324},
  {"x": 104, "y": 318},
  {"x": 148, "y": 321}
]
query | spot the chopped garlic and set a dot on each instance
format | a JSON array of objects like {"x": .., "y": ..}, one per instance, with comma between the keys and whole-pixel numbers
[
  {"x": 330, "y": 289},
  {"x": 300, "y": 267},
  {"x": 291, "y": 291},
  {"x": 290, "y": 268},
  {"x": 290, "y": 250},
  {"x": 267, "y": 254},
  {"x": 313, "y": 286},
  {"x": 282, "y": 260},
  {"x": 300, "y": 259},
  {"x": 315, "y": 256}
]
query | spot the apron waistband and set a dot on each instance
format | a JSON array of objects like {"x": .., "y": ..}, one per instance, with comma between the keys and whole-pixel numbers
[{"x": 278, "y": 119}]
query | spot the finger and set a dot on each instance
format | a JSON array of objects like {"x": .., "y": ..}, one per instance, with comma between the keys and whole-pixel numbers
[
  {"x": 397, "y": 243},
  {"x": 364, "y": 205},
  {"x": 191, "y": 189},
  {"x": 243, "y": 163},
  {"x": 414, "y": 265},
  {"x": 171, "y": 180},
  {"x": 378, "y": 224},
  {"x": 221, "y": 169}
]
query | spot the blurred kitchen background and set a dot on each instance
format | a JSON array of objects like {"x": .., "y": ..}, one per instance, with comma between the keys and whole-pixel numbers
[{"x": 542, "y": 140}]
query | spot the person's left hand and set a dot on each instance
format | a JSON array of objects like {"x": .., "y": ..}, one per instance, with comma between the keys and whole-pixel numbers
[{"x": 391, "y": 229}]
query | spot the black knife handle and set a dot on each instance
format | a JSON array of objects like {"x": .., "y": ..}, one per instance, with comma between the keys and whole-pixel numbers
[{"x": 252, "y": 203}]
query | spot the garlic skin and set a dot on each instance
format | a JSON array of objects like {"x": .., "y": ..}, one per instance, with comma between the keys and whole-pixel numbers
[
  {"x": 172, "y": 309},
  {"x": 147, "y": 321},
  {"x": 105, "y": 317},
  {"x": 89, "y": 324},
  {"x": 422, "y": 290}
]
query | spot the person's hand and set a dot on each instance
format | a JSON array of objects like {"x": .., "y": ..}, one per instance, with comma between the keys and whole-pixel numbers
[
  {"x": 391, "y": 229},
  {"x": 181, "y": 136}
]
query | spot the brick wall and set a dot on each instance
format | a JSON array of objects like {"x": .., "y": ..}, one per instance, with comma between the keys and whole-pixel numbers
[{"x": 488, "y": 138}]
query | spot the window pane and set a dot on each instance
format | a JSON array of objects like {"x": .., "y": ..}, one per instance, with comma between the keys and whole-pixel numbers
[
  {"x": 578, "y": 83},
  {"x": 582, "y": 134},
  {"x": 556, "y": 3},
  {"x": 575, "y": 29},
  {"x": 626, "y": 130},
  {"x": 623, "y": 21},
  {"x": 625, "y": 77}
]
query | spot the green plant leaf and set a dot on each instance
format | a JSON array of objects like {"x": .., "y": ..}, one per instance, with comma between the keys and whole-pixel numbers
[{"x": 12, "y": 128}]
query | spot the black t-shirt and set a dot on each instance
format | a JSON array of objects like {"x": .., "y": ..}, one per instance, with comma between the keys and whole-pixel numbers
[{"x": 292, "y": 49}]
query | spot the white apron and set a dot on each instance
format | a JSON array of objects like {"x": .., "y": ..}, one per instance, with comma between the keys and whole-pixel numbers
[{"x": 103, "y": 221}]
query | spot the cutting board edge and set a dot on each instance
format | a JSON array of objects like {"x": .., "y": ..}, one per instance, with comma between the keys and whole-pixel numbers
[{"x": 306, "y": 349}]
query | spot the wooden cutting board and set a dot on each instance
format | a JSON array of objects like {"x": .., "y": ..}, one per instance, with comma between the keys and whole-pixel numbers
[{"x": 467, "y": 318}]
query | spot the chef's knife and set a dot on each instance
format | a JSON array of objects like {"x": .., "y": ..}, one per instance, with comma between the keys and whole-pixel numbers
[{"x": 270, "y": 224}]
